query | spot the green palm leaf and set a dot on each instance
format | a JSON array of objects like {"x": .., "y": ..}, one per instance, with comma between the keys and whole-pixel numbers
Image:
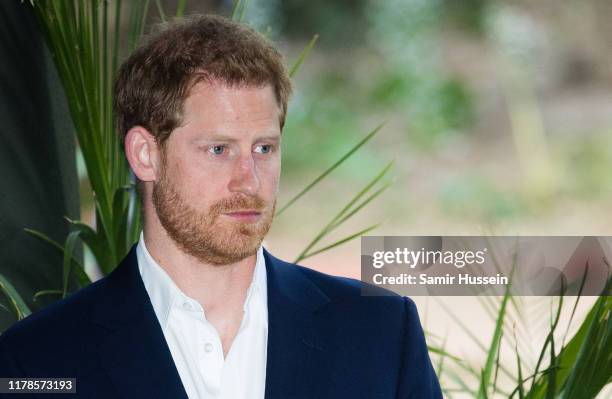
[{"x": 16, "y": 302}]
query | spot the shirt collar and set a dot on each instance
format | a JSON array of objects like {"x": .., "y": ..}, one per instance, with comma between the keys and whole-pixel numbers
[{"x": 165, "y": 294}]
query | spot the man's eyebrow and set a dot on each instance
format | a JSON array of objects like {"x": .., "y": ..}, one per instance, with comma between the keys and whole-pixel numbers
[
  {"x": 272, "y": 137},
  {"x": 275, "y": 137}
]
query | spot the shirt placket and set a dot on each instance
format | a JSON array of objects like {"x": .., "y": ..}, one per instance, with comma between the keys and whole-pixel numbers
[{"x": 208, "y": 348}]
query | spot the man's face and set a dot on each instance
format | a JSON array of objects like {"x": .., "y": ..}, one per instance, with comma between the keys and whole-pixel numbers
[{"x": 220, "y": 171}]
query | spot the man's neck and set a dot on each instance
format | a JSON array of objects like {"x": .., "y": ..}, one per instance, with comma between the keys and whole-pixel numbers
[
  {"x": 216, "y": 288},
  {"x": 220, "y": 290}
]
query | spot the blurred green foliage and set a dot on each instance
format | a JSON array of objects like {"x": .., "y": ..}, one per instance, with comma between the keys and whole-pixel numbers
[
  {"x": 475, "y": 197},
  {"x": 340, "y": 23},
  {"x": 395, "y": 71},
  {"x": 588, "y": 162}
]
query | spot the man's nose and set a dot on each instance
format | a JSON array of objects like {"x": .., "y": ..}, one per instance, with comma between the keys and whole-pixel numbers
[{"x": 244, "y": 176}]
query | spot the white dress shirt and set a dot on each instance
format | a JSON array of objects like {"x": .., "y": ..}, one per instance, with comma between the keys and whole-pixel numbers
[{"x": 194, "y": 342}]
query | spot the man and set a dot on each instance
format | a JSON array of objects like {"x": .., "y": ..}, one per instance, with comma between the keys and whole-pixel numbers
[{"x": 198, "y": 308}]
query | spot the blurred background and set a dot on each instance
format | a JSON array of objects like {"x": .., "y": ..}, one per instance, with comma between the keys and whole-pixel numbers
[{"x": 497, "y": 115}]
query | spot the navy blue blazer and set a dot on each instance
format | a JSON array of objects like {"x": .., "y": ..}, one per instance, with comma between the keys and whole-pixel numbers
[{"x": 325, "y": 340}]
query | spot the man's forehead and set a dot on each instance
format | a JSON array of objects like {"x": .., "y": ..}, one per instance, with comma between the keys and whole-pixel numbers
[
  {"x": 204, "y": 86},
  {"x": 221, "y": 100},
  {"x": 215, "y": 107}
]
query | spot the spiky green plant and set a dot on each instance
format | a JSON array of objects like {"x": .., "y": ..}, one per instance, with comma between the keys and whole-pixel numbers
[{"x": 577, "y": 369}]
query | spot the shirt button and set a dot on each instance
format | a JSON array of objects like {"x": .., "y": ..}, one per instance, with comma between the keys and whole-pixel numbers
[
  {"x": 186, "y": 306},
  {"x": 208, "y": 347}
]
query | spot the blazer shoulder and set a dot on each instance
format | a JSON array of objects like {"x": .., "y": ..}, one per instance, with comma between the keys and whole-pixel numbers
[
  {"x": 65, "y": 317},
  {"x": 346, "y": 288},
  {"x": 353, "y": 301}
]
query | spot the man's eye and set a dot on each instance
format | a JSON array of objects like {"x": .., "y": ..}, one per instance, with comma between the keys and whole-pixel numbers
[
  {"x": 217, "y": 149},
  {"x": 264, "y": 148}
]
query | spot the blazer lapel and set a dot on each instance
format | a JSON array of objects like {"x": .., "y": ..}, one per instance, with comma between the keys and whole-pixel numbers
[
  {"x": 134, "y": 352},
  {"x": 296, "y": 354},
  {"x": 132, "y": 347}
]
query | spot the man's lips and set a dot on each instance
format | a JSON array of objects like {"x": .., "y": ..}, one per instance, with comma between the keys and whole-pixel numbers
[{"x": 244, "y": 215}]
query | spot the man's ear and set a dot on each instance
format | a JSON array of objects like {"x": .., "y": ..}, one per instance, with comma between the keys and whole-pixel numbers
[{"x": 143, "y": 153}]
